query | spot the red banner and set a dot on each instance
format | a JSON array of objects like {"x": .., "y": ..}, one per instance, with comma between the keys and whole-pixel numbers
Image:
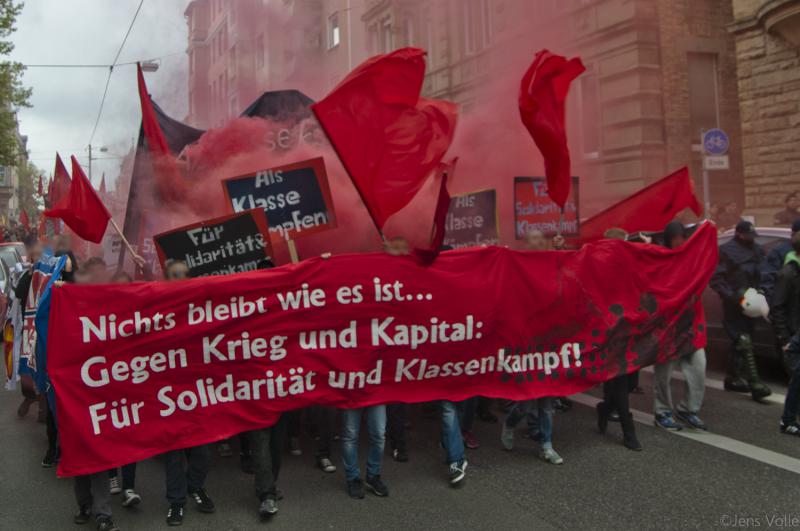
[{"x": 143, "y": 368}]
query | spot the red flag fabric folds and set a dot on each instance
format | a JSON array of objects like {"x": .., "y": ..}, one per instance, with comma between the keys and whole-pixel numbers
[
  {"x": 81, "y": 209},
  {"x": 388, "y": 138},
  {"x": 649, "y": 209},
  {"x": 60, "y": 185},
  {"x": 542, "y": 94},
  {"x": 24, "y": 220},
  {"x": 170, "y": 182}
]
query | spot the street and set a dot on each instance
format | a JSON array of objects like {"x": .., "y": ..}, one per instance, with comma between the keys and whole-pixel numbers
[{"x": 743, "y": 468}]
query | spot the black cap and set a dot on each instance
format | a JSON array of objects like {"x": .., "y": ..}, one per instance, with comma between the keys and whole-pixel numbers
[
  {"x": 746, "y": 227},
  {"x": 796, "y": 226}
]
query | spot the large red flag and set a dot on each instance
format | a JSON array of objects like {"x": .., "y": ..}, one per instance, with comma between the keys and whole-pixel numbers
[
  {"x": 24, "y": 220},
  {"x": 542, "y": 94},
  {"x": 171, "y": 186},
  {"x": 649, "y": 209},
  {"x": 388, "y": 138},
  {"x": 81, "y": 209}
]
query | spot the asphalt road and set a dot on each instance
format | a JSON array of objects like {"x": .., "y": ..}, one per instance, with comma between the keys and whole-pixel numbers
[{"x": 743, "y": 469}]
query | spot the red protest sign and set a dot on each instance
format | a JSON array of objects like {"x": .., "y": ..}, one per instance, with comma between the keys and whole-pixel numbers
[
  {"x": 534, "y": 210},
  {"x": 219, "y": 246},
  {"x": 140, "y": 369},
  {"x": 296, "y": 197}
]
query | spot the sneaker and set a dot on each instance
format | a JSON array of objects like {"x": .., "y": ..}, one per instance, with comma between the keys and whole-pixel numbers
[
  {"x": 470, "y": 441},
  {"x": 665, "y": 421},
  {"x": 225, "y": 449},
  {"x": 105, "y": 523},
  {"x": 551, "y": 456},
  {"x": 202, "y": 500},
  {"x": 326, "y": 464},
  {"x": 83, "y": 515},
  {"x": 377, "y": 486},
  {"x": 114, "y": 485},
  {"x": 458, "y": 471},
  {"x": 294, "y": 446},
  {"x": 691, "y": 419},
  {"x": 49, "y": 460},
  {"x": 401, "y": 456},
  {"x": 507, "y": 437},
  {"x": 130, "y": 498},
  {"x": 246, "y": 463},
  {"x": 268, "y": 507},
  {"x": 792, "y": 428},
  {"x": 175, "y": 514},
  {"x": 355, "y": 488}
]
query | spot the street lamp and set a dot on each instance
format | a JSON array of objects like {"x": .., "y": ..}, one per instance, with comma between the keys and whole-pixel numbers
[{"x": 149, "y": 66}]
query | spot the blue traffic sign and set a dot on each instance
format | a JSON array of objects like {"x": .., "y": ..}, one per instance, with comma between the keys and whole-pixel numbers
[{"x": 715, "y": 142}]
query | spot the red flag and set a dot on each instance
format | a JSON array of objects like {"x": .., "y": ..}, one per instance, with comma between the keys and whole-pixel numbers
[
  {"x": 388, "y": 138},
  {"x": 542, "y": 94},
  {"x": 81, "y": 209},
  {"x": 170, "y": 181},
  {"x": 60, "y": 185},
  {"x": 40, "y": 190},
  {"x": 649, "y": 209},
  {"x": 102, "y": 188},
  {"x": 24, "y": 220}
]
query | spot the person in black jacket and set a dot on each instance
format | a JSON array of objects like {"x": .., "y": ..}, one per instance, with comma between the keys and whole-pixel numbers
[
  {"x": 739, "y": 268},
  {"x": 774, "y": 263},
  {"x": 785, "y": 315}
]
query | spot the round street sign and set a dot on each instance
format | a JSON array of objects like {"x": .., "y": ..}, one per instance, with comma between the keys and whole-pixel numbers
[{"x": 715, "y": 142}]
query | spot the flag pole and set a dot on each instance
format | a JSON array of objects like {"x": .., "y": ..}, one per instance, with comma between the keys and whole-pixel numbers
[{"x": 124, "y": 239}]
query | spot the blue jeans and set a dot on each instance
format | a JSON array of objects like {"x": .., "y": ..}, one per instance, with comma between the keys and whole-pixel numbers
[
  {"x": 351, "y": 426},
  {"x": 793, "y": 391},
  {"x": 540, "y": 418},
  {"x": 452, "y": 441}
]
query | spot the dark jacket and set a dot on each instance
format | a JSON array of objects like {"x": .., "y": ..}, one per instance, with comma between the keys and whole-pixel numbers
[
  {"x": 739, "y": 268},
  {"x": 773, "y": 264},
  {"x": 785, "y": 308}
]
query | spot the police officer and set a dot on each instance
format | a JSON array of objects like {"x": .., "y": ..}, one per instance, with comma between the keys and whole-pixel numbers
[{"x": 739, "y": 268}]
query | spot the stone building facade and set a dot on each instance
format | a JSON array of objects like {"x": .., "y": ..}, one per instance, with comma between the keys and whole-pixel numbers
[{"x": 767, "y": 34}]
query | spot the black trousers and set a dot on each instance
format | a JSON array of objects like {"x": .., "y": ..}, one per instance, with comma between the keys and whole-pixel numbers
[
  {"x": 736, "y": 325},
  {"x": 615, "y": 394},
  {"x": 266, "y": 446},
  {"x": 324, "y": 420},
  {"x": 395, "y": 426}
]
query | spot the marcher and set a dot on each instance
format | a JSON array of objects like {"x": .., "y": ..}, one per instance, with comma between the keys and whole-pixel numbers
[
  {"x": 739, "y": 268},
  {"x": 774, "y": 263},
  {"x": 376, "y": 426},
  {"x": 183, "y": 479},
  {"x": 693, "y": 367},
  {"x": 616, "y": 390},
  {"x": 785, "y": 315},
  {"x": 790, "y": 214}
]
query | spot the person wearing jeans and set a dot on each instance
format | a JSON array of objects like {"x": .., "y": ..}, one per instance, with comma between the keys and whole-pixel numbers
[
  {"x": 693, "y": 368},
  {"x": 376, "y": 425},
  {"x": 183, "y": 480},
  {"x": 452, "y": 442},
  {"x": 541, "y": 411}
]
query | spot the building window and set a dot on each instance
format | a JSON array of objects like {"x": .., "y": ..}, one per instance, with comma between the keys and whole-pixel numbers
[
  {"x": 3, "y": 176},
  {"x": 703, "y": 93},
  {"x": 333, "y": 31},
  {"x": 589, "y": 115},
  {"x": 477, "y": 25}
]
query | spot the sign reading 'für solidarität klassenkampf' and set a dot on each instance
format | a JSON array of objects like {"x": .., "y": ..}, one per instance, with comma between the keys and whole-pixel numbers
[
  {"x": 219, "y": 246},
  {"x": 534, "y": 210},
  {"x": 295, "y": 197}
]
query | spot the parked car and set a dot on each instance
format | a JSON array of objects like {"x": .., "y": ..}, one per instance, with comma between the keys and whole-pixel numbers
[
  {"x": 764, "y": 343},
  {"x": 12, "y": 253}
]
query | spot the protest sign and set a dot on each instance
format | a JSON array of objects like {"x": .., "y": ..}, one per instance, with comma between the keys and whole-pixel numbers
[
  {"x": 534, "y": 210},
  {"x": 296, "y": 197},
  {"x": 220, "y": 246},
  {"x": 143, "y": 368},
  {"x": 472, "y": 220}
]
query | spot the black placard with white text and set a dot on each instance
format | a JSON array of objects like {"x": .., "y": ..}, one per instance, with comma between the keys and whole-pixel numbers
[{"x": 472, "y": 220}]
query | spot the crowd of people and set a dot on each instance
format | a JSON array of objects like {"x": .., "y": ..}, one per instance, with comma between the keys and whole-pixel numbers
[{"x": 742, "y": 265}]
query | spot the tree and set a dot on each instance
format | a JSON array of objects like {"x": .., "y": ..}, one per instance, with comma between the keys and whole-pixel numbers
[
  {"x": 13, "y": 94},
  {"x": 28, "y": 184}
]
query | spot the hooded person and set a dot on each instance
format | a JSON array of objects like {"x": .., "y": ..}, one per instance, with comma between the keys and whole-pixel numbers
[
  {"x": 740, "y": 262},
  {"x": 693, "y": 367}
]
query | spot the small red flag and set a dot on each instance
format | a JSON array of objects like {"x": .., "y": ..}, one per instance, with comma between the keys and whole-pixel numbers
[
  {"x": 171, "y": 185},
  {"x": 24, "y": 220},
  {"x": 438, "y": 230},
  {"x": 542, "y": 94},
  {"x": 649, "y": 209},
  {"x": 81, "y": 209},
  {"x": 102, "y": 188},
  {"x": 388, "y": 138}
]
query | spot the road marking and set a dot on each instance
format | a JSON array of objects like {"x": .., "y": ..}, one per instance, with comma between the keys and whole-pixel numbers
[
  {"x": 712, "y": 439},
  {"x": 719, "y": 385}
]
